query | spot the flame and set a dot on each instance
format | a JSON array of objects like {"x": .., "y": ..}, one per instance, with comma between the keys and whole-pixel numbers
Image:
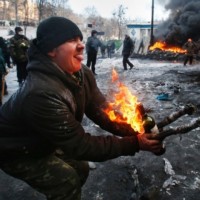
[
  {"x": 123, "y": 108},
  {"x": 164, "y": 47}
]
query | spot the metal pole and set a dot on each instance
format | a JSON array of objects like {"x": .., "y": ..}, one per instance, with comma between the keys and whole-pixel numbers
[
  {"x": 152, "y": 24},
  {"x": 16, "y": 13}
]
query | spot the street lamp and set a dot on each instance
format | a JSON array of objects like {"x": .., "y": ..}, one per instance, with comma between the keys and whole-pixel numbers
[{"x": 152, "y": 24}]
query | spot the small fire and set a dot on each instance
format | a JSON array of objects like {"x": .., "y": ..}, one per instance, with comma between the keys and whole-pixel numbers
[
  {"x": 123, "y": 108},
  {"x": 164, "y": 47}
]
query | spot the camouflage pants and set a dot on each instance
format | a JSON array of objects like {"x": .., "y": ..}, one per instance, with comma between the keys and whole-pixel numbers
[{"x": 52, "y": 176}]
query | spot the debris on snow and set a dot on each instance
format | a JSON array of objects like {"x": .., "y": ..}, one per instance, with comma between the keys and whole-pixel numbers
[
  {"x": 92, "y": 165},
  {"x": 173, "y": 179},
  {"x": 168, "y": 167}
]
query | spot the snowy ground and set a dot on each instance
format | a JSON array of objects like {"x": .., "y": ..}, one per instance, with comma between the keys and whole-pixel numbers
[
  {"x": 30, "y": 32},
  {"x": 174, "y": 175}
]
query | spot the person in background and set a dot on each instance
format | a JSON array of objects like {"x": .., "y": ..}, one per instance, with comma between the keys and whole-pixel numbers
[
  {"x": 92, "y": 45},
  {"x": 128, "y": 47},
  {"x": 42, "y": 138},
  {"x": 110, "y": 48},
  {"x": 141, "y": 47},
  {"x": 18, "y": 51},
  {"x": 3, "y": 72},
  {"x": 103, "y": 49},
  {"x": 190, "y": 48},
  {"x": 5, "y": 51}
]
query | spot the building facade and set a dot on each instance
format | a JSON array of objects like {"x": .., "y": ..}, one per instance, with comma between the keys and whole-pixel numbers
[{"x": 139, "y": 32}]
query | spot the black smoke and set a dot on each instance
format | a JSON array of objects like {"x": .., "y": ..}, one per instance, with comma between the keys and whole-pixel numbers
[{"x": 183, "y": 22}]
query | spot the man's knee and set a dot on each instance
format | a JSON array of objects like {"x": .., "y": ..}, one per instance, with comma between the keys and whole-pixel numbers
[
  {"x": 67, "y": 184},
  {"x": 82, "y": 169}
]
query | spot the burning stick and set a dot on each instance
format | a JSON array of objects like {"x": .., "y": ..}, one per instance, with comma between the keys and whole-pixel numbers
[
  {"x": 188, "y": 109},
  {"x": 178, "y": 130},
  {"x": 124, "y": 108}
]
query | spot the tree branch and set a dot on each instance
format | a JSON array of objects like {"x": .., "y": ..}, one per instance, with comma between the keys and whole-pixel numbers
[
  {"x": 178, "y": 130},
  {"x": 188, "y": 109}
]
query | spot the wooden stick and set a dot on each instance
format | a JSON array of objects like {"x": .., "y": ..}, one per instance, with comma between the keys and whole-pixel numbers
[
  {"x": 188, "y": 109},
  {"x": 178, "y": 130}
]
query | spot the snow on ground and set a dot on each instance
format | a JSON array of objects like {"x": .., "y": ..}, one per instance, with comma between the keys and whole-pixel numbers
[
  {"x": 30, "y": 32},
  {"x": 146, "y": 175}
]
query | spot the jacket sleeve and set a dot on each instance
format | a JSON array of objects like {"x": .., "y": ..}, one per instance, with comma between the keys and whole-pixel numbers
[
  {"x": 11, "y": 48},
  {"x": 2, "y": 65},
  {"x": 94, "y": 110},
  {"x": 88, "y": 44},
  {"x": 51, "y": 119}
]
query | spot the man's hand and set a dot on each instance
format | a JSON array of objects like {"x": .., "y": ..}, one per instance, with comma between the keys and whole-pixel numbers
[{"x": 148, "y": 143}]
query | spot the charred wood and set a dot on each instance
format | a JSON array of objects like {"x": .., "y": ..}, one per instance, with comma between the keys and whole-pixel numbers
[
  {"x": 178, "y": 130},
  {"x": 188, "y": 109}
]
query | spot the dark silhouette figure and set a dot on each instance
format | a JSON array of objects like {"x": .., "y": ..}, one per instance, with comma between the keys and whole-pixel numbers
[
  {"x": 92, "y": 45},
  {"x": 190, "y": 47},
  {"x": 128, "y": 47}
]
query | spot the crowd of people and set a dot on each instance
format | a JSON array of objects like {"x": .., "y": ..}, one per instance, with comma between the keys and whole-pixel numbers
[
  {"x": 93, "y": 44},
  {"x": 13, "y": 52}
]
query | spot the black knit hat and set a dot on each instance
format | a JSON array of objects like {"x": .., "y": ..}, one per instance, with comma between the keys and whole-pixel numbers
[
  {"x": 18, "y": 29},
  {"x": 93, "y": 32},
  {"x": 54, "y": 31}
]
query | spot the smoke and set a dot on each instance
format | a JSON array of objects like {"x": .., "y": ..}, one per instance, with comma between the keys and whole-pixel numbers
[
  {"x": 162, "y": 2},
  {"x": 183, "y": 22}
]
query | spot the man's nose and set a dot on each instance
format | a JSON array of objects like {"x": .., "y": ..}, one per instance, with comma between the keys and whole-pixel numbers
[{"x": 81, "y": 45}]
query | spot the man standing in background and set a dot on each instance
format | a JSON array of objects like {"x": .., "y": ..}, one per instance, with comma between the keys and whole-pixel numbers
[
  {"x": 92, "y": 45},
  {"x": 141, "y": 47},
  {"x": 128, "y": 46},
  {"x": 190, "y": 47},
  {"x": 18, "y": 51}
]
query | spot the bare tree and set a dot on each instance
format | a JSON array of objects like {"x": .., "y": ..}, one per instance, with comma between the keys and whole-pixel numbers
[
  {"x": 26, "y": 14},
  {"x": 41, "y": 8},
  {"x": 15, "y": 4},
  {"x": 48, "y": 8},
  {"x": 3, "y": 12},
  {"x": 62, "y": 9},
  {"x": 119, "y": 16},
  {"x": 110, "y": 28},
  {"x": 20, "y": 11},
  {"x": 91, "y": 11},
  {"x": 94, "y": 18},
  {"x": 59, "y": 3}
]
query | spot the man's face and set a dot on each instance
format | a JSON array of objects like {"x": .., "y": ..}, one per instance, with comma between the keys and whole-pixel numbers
[
  {"x": 20, "y": 33},
  {"x": 69, "y": 55}
]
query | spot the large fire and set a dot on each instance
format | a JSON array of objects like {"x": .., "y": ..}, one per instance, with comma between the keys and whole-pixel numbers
[
  {"x": 124, "y": 106},
  {"x": 164, "y": 47}
]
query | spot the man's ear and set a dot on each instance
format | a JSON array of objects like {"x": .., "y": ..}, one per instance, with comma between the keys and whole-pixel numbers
[{"x": 52, "y": 53}]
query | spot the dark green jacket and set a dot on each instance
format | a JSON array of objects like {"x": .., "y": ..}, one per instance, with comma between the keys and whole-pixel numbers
[
  {"x": 92, "y": 44},
  {"x": 18, "y": 48},
  {"x": 128, "y": 46},
  {"x": 45, "y": 114},
  {"x": 2, "y": 64},
  {"x": 190, "y": 47}
]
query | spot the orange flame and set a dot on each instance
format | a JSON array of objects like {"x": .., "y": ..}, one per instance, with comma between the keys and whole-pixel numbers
[
  {"x": 123, "y": 108},
  {"x": 164, "y": 47}
]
